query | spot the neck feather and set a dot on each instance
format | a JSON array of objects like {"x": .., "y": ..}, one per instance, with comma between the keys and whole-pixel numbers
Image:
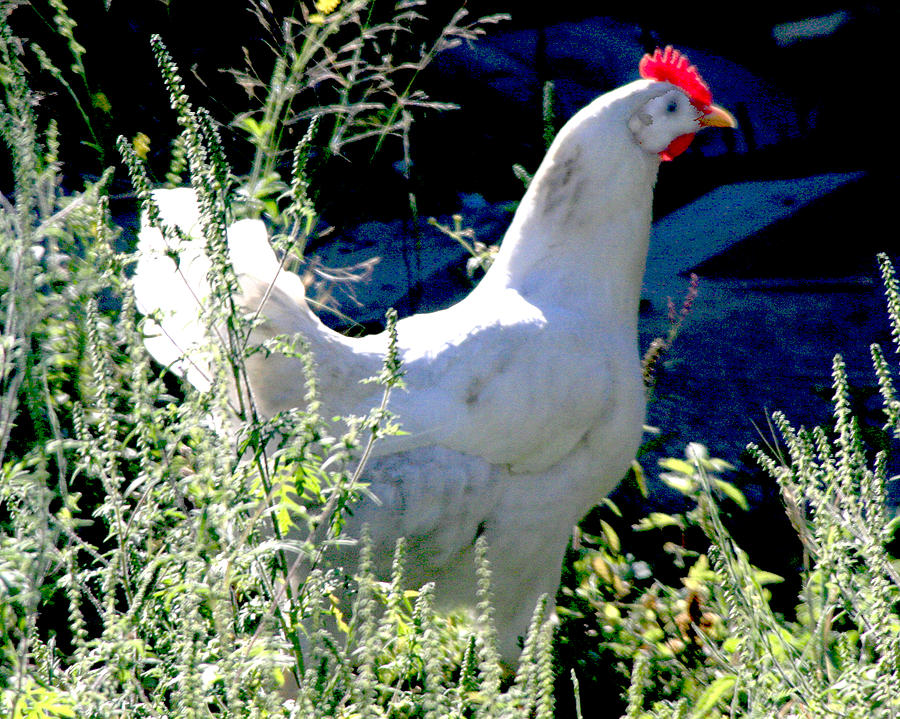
[{"x": 581, "y": 231}]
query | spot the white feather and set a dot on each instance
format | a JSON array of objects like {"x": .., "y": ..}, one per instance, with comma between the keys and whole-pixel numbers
[{"x": 524, "y": 402}]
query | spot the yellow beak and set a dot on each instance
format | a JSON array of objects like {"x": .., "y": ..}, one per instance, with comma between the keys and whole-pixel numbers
[{"x": 717, "y": 116}]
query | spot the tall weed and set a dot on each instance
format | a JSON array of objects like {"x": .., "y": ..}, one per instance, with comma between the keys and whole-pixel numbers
[{"x": 146, "y": 551}]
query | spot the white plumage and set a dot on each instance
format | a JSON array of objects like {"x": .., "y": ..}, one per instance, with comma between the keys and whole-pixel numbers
[{"x": 524, "y": 402}]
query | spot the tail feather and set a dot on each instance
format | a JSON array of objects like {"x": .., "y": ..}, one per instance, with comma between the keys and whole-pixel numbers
[
  {"x": 171, "y": 280},
  {"x": 172, "y": 290},
  {"x": 171, "y": 293}
]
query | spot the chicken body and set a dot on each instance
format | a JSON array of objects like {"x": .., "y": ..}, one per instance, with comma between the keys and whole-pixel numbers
[{"x": 524, "y": 402}]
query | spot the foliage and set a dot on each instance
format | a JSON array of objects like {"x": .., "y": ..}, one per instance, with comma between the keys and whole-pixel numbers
[
  {"x": 352, "y": 69},
  {"x": 481, "y": 256},
  {"x": 714, "y": 647},
  {"x": 186, "y": 555},
  {"x": 157, "y": 563},
  {"x": 652, "y": 361},
  {"x": 67, "y": 69},
  {"x": 617, "y": 609}
]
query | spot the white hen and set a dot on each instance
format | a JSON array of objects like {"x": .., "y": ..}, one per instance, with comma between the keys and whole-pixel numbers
[{"x": 524, "y": 402}]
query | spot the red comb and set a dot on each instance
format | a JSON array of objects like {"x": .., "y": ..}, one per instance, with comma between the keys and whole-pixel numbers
[{"x": 671, "y": 66}]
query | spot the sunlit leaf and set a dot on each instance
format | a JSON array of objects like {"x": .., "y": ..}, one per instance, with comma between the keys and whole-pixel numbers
[
  {"x": 714, "y": 693},
  {"x": 657, "y": 520},
  {"x": 733, "y": 493}
]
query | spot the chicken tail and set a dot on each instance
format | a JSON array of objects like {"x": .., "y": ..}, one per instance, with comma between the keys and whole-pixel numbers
[{"x": 172, "y": 281}]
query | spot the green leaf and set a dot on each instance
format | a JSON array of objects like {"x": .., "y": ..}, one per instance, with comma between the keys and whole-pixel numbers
[
  {"x": 762, "y": 578},
  {"x": 720, "y": 688},
  {"x": 612, "y": 539},
  {"x": 640, "y": 477},
  {"x": 776, "y": 641},
  {"x": 733, "y": 493},
  {"x": 612, "y": 506},
  {"x": 657, "y": 520},
  {"x": 677, "y": 465},
  {"x": 720, "y": 465},
  {"x": 254, "y": 128},
  {"x": 684, "y": 484},
  {"x": 893, "y": 525}
]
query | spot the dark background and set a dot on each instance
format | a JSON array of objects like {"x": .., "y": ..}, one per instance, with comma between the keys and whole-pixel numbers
[{"x": 835, "y": 85}]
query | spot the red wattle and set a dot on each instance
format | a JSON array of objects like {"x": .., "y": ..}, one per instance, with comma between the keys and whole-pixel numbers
[{"x": 676, "y": 147}]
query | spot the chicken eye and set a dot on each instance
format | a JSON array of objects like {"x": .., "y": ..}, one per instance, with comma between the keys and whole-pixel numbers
[{"x": 672, "y": 106}]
